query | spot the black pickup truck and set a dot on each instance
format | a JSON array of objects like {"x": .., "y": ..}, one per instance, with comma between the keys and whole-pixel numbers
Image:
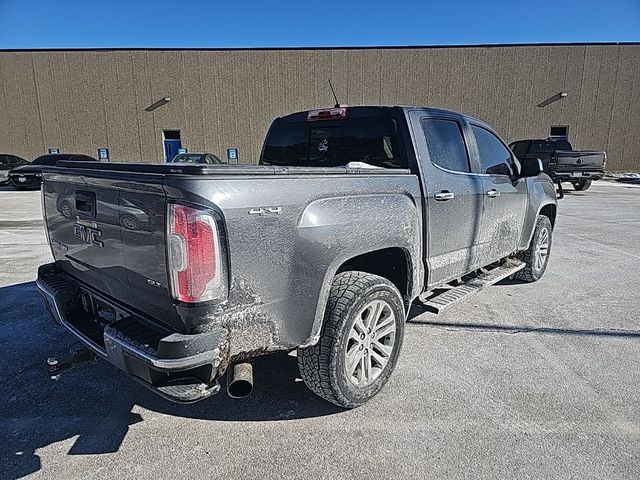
[{"x": 561, "y": 162}]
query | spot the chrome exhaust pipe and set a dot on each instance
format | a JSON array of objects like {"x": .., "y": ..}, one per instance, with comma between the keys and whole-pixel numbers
[{"x": 240, "y": 380}]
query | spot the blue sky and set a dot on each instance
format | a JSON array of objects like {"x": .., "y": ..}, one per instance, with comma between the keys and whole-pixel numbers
[{"x": 292, "y": 23}]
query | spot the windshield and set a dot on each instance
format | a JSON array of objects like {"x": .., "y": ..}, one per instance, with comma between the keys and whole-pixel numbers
[
  {"x": 334, "y": 143},
  {"x": 187, "y": 158}
]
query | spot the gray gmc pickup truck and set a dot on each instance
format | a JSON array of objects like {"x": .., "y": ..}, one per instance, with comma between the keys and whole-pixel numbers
[{"x": 179, "y": 273}]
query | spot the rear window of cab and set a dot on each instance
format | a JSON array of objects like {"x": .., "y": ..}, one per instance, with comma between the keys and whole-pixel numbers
[{"x": 334, "y": 143}]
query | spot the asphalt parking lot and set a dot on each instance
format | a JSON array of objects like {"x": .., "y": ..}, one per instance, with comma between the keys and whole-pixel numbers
[{"x": 521, "y": 381}]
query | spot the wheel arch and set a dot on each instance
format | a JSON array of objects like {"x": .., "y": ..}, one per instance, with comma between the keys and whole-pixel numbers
[
  {"x": 375, "y": 233},
  {"x": 394, "y": 263},
  {"x": 549, "y": 210},
  {"x": 542, "y": 201}
]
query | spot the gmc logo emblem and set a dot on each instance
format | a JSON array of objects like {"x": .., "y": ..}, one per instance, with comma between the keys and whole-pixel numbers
[{"x": 89, "y": 234}]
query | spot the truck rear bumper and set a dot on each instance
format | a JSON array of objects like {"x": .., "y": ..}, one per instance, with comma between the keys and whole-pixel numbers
[
  {"x": 181, "y": 368},
  {"x": 573, "y": 176}
]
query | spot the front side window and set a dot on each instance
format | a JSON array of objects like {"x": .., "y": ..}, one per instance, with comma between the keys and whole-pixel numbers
[
  {"x": 446, "y": 144},
  {"x": 495, "y": 158}
]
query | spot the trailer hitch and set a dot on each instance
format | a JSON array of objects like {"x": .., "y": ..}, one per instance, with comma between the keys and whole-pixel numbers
[{"x": 55, "y": 367}]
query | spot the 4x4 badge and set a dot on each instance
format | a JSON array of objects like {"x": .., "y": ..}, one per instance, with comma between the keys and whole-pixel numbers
[{"x": 265, "y": 211}]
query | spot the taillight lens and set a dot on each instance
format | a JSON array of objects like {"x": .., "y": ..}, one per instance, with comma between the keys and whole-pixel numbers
[{"x": 195, "y": 260}]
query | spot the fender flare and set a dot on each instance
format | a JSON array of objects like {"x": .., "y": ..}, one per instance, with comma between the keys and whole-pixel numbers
[{"x": 396, "y": 224}]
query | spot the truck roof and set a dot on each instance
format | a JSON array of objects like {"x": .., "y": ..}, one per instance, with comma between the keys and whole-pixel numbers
[{"x": 369, "y": 110}]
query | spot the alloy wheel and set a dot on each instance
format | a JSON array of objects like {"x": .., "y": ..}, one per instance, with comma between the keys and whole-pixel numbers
[
  {"x": 370, "y": 343},
  {"x": 542, "y": 249}
]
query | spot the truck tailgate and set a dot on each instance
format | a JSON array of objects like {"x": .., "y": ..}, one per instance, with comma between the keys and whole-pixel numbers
[
  {"x": 108, "y": 232},
  {"x": 578, "y": 161}
]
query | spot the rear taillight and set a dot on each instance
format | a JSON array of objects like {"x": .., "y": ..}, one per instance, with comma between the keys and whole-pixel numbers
[
  {"x": 326, "y": 114},
  {"x": 195, "y": 261}
]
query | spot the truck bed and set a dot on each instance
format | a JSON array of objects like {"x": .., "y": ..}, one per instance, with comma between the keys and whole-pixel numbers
[
  {"x": 276, "y": 234},
  {"x": 194, "y": 169}
]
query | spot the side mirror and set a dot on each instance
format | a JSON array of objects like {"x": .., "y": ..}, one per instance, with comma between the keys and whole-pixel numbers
[
  {"x": 500, "y": 169},
  {"x": 531, "y": 167}
]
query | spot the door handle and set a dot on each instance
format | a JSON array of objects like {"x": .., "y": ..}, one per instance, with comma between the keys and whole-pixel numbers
[
  {"x": 493, "y": 193},
  {"x": 444, "y": 196}
]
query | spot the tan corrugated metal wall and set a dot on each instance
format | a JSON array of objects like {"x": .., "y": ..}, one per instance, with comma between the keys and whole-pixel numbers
[{"x": 81, "y": 100}]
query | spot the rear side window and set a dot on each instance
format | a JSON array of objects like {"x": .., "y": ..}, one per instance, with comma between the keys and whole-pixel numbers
[
  {"x": 495, "y": 158},
  {"x": 334, "y": 143},
  {"x": 542, "y": 146},
  {"x": 446, "y": 144},
  {"x": 15, "y": 160}
]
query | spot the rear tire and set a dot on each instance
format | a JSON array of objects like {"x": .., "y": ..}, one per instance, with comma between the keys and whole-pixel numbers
[
  {"x": 359, "y": 343},
  {"x": 580, "y": 185},
  {"x": 536, "y": 257}
]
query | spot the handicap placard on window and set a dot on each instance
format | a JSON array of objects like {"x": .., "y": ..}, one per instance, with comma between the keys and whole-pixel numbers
[
  {"x": 182, "y": 150},
  {"x": 232, "y": 154},
  {"x": 54, "y": 151},
  {"x": 103, "y": 154}
]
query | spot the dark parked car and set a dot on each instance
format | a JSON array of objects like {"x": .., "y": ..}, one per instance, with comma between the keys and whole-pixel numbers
[
  {"x": 7, "y": 162},
  {"x": 561, "y": 162},
  {"x": 30, "y": 175},
  {"x": 204, "y": 158}
]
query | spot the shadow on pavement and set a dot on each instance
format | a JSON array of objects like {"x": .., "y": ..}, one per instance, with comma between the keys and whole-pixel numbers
[
  {"x": 431, "y": 319},
  {"x": 98, "y": 403}
]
